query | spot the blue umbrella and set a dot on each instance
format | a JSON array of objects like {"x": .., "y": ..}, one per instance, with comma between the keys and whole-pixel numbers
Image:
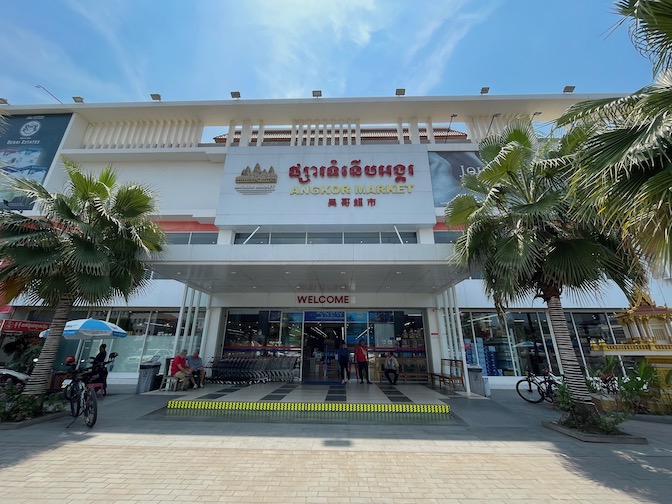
[{"x": 89, "y": 328}]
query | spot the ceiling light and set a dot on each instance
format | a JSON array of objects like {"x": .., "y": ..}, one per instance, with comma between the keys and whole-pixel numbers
[
  {"x": 155, "y": 96},
  {"x": 485, "y": 90},
  {"x": 235, "y": 94},
  {"x": 317, "y": 93},
  {"x": 78, "y": 99},
  {"x": 400, "y": 92},
  {"x": 568, "y": 89}
]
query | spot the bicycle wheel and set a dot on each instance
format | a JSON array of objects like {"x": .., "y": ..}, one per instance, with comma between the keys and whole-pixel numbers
[
  {"x": 90, "y": 407},
  {"x": 75, "y": 398},
  {"x": 548, "y": 393},
  {"x": 529, "y": 391}
]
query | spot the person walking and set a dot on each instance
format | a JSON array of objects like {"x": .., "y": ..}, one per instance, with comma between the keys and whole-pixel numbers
[
  {"x": 344, "y": 361},
  {"x": 362, "y": 360}
]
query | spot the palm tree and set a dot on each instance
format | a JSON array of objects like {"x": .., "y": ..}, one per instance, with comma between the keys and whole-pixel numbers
[
  {"x": 519, "y": 230},
  {"x": 89, "y": 245},
  {"x": 624, "y": 169}
]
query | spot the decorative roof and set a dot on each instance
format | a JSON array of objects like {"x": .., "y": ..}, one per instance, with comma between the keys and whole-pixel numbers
[{"x": 642, "y": 309}]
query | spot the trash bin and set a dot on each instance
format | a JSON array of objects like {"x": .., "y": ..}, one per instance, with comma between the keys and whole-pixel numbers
[
  {"x": 148, "y": 371},
  {"x": 476, "y": 380}
]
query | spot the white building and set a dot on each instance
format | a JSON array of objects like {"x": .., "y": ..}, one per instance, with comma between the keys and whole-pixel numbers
[{"x": 310, "y": 221}]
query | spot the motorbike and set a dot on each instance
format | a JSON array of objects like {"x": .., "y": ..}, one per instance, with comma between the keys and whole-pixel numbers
[{"x": 96, "y": 373}]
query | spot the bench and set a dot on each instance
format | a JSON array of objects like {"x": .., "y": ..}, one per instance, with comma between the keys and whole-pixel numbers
[{"x": 452, "y": 374}]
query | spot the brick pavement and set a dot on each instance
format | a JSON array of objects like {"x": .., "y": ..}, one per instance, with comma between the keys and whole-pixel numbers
[{"x": 495, "y": 452}]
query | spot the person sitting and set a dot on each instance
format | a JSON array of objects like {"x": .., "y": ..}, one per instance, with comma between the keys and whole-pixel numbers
[
  {"x": 181, "y": 370},
  {"x": 198, "y": 371},
  {"x": 391, "y": 368},
  {"x": 98, "y": 369}
]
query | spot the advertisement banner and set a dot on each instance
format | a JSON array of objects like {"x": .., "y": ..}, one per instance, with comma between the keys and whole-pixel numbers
[
  {"x": 446, "y": 170},
  {"x": 27, "y": 149}
]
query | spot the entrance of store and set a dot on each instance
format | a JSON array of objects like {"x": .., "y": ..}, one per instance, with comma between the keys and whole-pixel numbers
[{"x": 321, "y": 341}]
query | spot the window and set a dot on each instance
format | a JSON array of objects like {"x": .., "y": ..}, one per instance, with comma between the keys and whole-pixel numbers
[
  {"x": 391, "y": 237},
  {"x": 257, "y": 239},
  {"x": 325, "y": 238},
  {"x": 288, "y": 238},
  {"x": 191, "y": 238},
  {"x": 203, "y": 238},
  {"x": 446, "y": 236},
  {"x": 177, "y": 238},
  {"x": 362, "y": 238}
]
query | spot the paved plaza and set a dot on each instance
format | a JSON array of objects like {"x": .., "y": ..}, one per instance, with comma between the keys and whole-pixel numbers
[{"x": 489, "y": 450}]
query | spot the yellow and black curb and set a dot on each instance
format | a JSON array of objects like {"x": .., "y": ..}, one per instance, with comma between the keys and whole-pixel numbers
[{"x": 307, "y": 406}]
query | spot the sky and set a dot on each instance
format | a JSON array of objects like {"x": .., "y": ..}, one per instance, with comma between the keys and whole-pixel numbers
[{"x": 123, "y": 50}]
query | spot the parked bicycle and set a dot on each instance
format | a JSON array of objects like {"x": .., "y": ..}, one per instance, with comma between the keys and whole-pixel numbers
[
  {"x": 82, "y": 399},
  {"x": 535, "y": 389},
  {"x": 80, "y": 388}
]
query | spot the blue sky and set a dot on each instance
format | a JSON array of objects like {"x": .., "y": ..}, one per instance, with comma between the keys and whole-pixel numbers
[{"x": 123, "y": 50}]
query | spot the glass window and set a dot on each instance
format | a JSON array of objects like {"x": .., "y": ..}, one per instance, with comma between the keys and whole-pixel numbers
[
  {"x": 203, "y": 238},
  {"x": 257, "y": 239},
  {"x": 288, "y": 238},
  {"x": 489, "y": 342},
  {"x": 446, "y": 236},
  {"x": 129, "y": 348},
  {"x": 241, "y": 328},
  {"x": 291, "y": 328},
  {"x": 587, "y": 327},
  {"x": 328, "y": 238},
  {"x": 177, "y": 238},
  {"x": 391, "y": 237},
  {"x": 362, "y": 238}
]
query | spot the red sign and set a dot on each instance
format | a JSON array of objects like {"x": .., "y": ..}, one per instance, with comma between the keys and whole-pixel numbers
[
  {"x": 355, "y": 170},
  {"x": 324, "y": 299},
  {"x": 23, "y": 326}
]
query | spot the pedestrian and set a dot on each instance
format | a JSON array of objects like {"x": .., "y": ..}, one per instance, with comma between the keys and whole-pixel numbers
[
  {"x": 344, "y": 361},
  {"x": 391, "y": 368},
  {"x": 197, "y": 368},
  {"x": 362, "y": 360}
]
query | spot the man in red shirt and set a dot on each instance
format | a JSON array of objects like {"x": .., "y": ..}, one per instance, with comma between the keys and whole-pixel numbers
[
  {"x": 179, "y": 369},
  {"x": 362, "y": 360}
]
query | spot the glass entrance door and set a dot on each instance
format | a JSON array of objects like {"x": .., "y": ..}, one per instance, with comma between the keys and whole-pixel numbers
[{"x": 320, "y": 343}]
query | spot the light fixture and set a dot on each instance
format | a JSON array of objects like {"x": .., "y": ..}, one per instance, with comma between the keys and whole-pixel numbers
[
  {"x": 78, "y": 99},
  {"x": 497, "y": 114},
  {"x": 317, "y": 93},
  {"x": 485, "y": 90},
  {"x": 568, "y": 89},
  {"x": 3, "y": 101},
  {"x": 235, "y": 95},
  {"x": 536, "y": 114},
  {"x": 40, "y": 86},
  {"x": 155, "y": 96},
  {"x": 400, "y": 92}
]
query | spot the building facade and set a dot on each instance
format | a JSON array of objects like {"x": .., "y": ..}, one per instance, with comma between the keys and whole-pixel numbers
[{"x": 303, "y": 224}]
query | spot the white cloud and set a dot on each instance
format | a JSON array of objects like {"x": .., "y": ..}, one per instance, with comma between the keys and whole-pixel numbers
[{"x": 34, "y": 60}]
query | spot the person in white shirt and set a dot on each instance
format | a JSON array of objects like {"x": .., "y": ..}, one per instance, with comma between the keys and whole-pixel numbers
[{"x": 391, "y": 368}]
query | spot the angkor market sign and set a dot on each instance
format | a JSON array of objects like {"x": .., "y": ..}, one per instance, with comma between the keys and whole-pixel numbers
[{"x": 23, "y": 326}]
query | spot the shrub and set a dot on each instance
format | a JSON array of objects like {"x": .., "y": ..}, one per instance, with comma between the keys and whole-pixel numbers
[{"x": 15, "y": 407}]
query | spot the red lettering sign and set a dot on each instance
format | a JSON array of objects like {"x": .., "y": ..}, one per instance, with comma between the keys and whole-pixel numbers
[
  {"x": 304, "y": 173},
  {"x": 324, "y": 299},
  {"x": 23, "y": 326}
]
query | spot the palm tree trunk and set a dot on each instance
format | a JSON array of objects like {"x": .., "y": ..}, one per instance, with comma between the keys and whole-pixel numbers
[
  {"x": 40, "y": 379},
  {"x": 573, "y": 376}
]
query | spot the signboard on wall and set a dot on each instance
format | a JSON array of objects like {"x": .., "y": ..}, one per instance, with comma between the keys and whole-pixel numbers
[
  {"x": 27, "y": 149},
  {"x": 326, "y": 186},
  {"x": 446, "y": 170}
]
